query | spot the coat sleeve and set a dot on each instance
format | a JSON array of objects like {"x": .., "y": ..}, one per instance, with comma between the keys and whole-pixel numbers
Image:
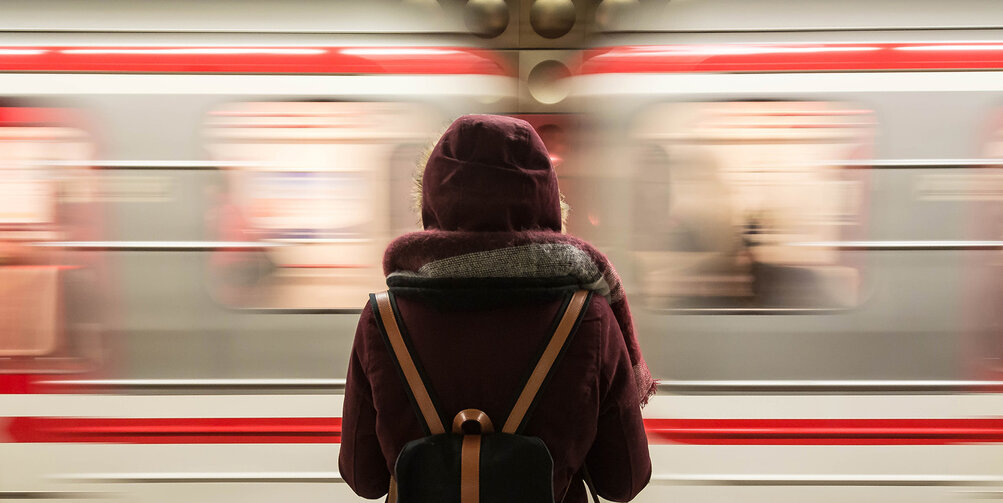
[
  {"x": 618, "y": 460},
  {"x": 360, "y": 461}
]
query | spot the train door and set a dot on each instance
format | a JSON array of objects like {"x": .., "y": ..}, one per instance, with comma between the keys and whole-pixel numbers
[{"x": 982, "y": 190}]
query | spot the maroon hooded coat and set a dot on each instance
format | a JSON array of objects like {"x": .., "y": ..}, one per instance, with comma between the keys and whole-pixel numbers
[{"x": 477, "y": 337}]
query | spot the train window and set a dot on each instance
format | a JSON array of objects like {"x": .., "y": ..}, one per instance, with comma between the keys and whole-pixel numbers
[
  {"x": 41, "y": 154},
  {"x": 29, "y": 311},
  {"x": 735, "y": 202},
  {"x": 28, "y": 159},
  {"x": 322, "y": 186}
]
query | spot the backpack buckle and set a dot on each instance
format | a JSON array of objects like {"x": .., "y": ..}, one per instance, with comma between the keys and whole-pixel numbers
[{"x": 472, "y": 422}]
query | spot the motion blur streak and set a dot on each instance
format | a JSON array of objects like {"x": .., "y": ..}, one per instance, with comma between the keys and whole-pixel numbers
[
  {"x": 660, "y": 431},
  {"x": 804, "y": 198},
  {"x": 791, "y": 58},
  {"x": 265, "y": 60}
]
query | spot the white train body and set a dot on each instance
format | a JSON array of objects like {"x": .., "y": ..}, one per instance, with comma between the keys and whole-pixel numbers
[{"x": 805, "y": 201}]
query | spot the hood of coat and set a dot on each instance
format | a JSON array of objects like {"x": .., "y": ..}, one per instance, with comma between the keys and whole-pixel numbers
[{"x": 490, "y": 173}]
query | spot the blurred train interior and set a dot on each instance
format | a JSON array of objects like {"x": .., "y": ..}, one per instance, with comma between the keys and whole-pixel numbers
[{"x": 804, "y": 199}]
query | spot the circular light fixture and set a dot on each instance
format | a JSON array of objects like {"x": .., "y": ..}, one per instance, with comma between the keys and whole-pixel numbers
[
  {"x": 548, "y": 82},
  {"x": 552, "y": 18},
  {"x": 486, "y": 18}
]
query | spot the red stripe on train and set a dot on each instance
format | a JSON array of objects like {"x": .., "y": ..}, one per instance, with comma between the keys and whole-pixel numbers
[
  {"x": 176, "y": 431},
  {"x": 283, "y": 60},
  {"x": 16, "y": 383},
  {"x": 660, "y": 431},
  {"x": 684, "y": 58},
  {"x": 824, "y": 431}
]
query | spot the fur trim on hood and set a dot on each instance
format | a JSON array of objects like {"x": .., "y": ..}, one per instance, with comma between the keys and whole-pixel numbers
[{"x": 497, "y": 260}]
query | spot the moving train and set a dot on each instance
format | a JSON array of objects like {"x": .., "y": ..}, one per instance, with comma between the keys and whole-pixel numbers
[{"x": 804, "y": 199}]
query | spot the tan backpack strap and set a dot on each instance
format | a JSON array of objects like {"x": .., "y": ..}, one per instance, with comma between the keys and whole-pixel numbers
[
  {"x": 470, "y": 469},
  {"x": 421, "y": 396},
  {"x": 392, "y": 492},
  {"x": 550, "y": 354}
]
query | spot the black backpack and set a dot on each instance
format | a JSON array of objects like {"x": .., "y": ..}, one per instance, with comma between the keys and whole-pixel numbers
[{"x": 473, "y": 463}]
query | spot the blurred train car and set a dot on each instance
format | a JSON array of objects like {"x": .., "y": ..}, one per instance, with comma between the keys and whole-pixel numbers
[
  {"x": 809, "y": 199},
  {"x": 805, "y": 200},
  {"x": 195, "y": 200}
]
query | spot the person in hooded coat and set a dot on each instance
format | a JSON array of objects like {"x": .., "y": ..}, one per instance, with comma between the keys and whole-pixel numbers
[{"x": 478, "y": 291}]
